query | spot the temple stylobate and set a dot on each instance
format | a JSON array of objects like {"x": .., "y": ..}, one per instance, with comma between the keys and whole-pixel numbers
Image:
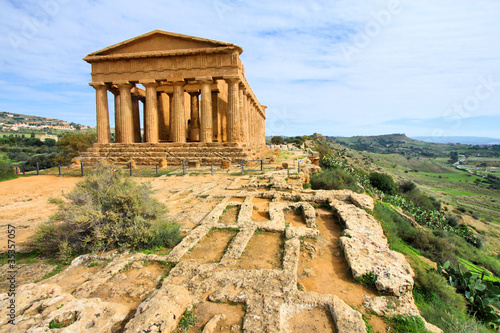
[{"x": 170, "y": 91}]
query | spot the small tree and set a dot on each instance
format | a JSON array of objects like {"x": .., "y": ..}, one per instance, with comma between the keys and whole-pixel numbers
[
  {"x": 106, "y": 210},
  {"x": 73, "y": 144},
  {"x": 383, "y": 182},
  {"x": 277, "y": 140}
]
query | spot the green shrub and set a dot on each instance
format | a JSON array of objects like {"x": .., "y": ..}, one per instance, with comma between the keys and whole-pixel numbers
[
  {"x": 106, "y": 210},
  {"x": 335, "y": 180},
  {"x": 6, "y": 170},
  {"x": 383, "y": 182},
  {"x": 406, "y": 186},
  {"x": 402, "y": 324},
  {"x": 422, "y": 200}
]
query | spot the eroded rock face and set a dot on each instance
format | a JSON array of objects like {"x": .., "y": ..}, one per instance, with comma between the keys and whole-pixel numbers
[
  {"x": 161, "y": 312},
  {"x": 366, "y": 251}
]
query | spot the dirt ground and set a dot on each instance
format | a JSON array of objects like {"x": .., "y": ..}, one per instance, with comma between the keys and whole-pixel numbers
[
  {"x": 24, "y": 203},
  {"x": 322, "y": 268}
]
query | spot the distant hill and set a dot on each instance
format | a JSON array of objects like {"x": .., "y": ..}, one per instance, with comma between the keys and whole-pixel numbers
[
  {"x": 469, "y": 140},
  {"x": 10, "y": 118},
  {"x": 403, "y": 145}
]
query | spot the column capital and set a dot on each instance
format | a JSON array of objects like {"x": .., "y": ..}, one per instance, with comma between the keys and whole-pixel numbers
[
  {"x": 194, "y": 93},
  {"x": 178, "y": 83},
  {"x": 232, "y": 78},
  {"x": 149, "y": 83},
  {"x": 97, "y": 85},
  {"x": 203, "y": 79},
  {"x": 124, "y": 84}
]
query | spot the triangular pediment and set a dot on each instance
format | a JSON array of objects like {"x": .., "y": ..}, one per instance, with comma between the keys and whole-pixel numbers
[{"x": 160, "y": 41}]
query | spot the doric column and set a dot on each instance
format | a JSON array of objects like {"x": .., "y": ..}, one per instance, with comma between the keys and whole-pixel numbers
[
  {"x": 206, "y": 131},
  {"x": 179, "y": 118},
  {"x": 116, "y": 93},
  {"x": 151, "y": 112},
  {"x": 216, "y": 136},
  {"x": 241, "y": 110},
  {"x": 102, "y": 113},
  {"x": 263, "y": 126},
  {"x": 194, "y": 125},
  {"x": 126, "y": 120},
  {"x": 163, "y": 116},
  {"x": 233, "y": 105},
  {"x": 136, "y": 118}
]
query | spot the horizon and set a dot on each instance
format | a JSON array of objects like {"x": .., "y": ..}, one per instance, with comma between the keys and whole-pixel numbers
[{"x": 339, "y": 69}]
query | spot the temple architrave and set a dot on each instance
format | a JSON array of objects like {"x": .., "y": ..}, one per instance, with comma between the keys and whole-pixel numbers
[{"x": 176, "y": 97}]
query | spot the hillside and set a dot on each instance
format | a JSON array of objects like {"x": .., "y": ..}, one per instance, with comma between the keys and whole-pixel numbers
[
  {"x": 8, "y": 118},
  {"x": 403, "y": 145}
]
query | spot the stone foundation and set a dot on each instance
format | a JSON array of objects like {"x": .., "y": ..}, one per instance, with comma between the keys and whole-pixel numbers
[{"x": 174, "y": 153}]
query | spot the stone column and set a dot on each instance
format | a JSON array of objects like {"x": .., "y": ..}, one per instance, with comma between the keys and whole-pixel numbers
[
  {"x": 263, "y": 117},
  {"x": 116, "y": 93},
  {"x": 233, "y": 105},
  {"x": 194, "y": 128},
  {"x": 126, "y": 120},
  {"x": 170, "y": 116},
  {"x": 241, "y": 110},
  {"x": 206, "y": 131},
  {"x": 151, "y": 112},
  {"x": 102, "y": 112},
  {"x": 136, "y": 119},
  {"x": 216, "y": 136},
  {"x": 179, "y": 117}
]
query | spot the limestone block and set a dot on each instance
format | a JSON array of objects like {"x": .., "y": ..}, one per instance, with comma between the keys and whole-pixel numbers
[
  {"x": 134, "y": 166},
  {"x": 194, "y": 164},
  {"x": 279, "y": 167},
  {"x": 163, "y": 163},
  {"x": 161, "y": 312},
  {"x": 225, "y": 164}
]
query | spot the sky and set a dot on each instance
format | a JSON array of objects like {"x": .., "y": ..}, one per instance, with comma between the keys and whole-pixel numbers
[{"x": 335, "y": 67}]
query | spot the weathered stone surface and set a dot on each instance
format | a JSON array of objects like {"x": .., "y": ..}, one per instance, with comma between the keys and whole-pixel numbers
[
  {"x": 132, "y": 164},
  {"x": 85, "y": 315},
  {"x": 161, "y": 312},
  {"x": 391, "y": 306},
  {"x": 163, "y": 163},
  {"x": 284, "y": 165},
  {"x": 346, "y": 319},
  {"x": 212, "y": 323},
  {"x": 225, "y": 164},
  {"x": 366, "y": 251}
]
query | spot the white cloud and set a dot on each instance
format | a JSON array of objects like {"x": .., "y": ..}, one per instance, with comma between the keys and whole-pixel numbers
[{"x": 424, "y": 58}]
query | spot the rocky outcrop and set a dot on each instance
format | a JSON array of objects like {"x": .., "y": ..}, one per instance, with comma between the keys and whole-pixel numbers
[
  {"x": 161, "y": 312},
  {"x": 366, "y": 251}
]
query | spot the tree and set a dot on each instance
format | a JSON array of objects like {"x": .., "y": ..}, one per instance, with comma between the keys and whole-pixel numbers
[
  {"x": 277, "y": 140},
  {"x": 383, "y": 182},
  {"x": 73, "y": 144}
]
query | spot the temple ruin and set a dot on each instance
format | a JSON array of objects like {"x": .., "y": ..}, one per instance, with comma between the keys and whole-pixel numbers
[{"x": 196, "y": 102}]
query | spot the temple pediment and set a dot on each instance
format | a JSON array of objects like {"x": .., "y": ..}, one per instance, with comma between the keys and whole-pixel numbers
[{"x": 161, "y": 42}]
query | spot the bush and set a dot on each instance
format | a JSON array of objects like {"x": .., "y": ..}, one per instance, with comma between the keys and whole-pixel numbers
[
  {"x": 422, "y": 200},
  {"x": 383, "y": 182},
  {"x": 406, "y": 186},
  {"x": 6, "y": 170},
  {"x": 73, "y": 144},
  {"x": 402, "y": 324},
  {"x": 335, "y": 180},
  {"x": 106, "y": 210}
]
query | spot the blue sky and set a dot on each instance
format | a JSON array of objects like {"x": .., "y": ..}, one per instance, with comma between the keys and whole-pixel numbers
[{"x": 424, "y": 68}]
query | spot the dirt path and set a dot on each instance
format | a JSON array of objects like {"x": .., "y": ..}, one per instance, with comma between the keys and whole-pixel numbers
[{"x": 24, "y": 203}]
